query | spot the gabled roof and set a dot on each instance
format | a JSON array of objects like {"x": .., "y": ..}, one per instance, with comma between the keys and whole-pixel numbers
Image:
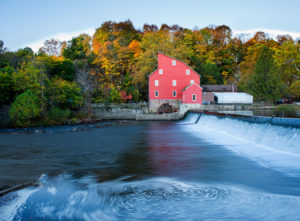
[
  {"x": 177, "y": 60},
  {"x": 190, "y": 85},
  {"x": 220, "y": 88}
]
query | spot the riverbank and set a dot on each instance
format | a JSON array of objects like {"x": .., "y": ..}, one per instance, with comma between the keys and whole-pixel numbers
[{"x": 141, "y": 112}]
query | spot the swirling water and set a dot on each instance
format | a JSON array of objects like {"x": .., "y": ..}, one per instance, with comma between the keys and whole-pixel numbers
[{"x": 216, "y": 169}]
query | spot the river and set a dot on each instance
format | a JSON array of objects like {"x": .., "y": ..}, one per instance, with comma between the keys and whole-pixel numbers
[{"x": 201, "y": 168}]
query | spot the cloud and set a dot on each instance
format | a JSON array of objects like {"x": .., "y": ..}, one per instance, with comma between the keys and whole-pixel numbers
[
  {"x": 247, "y": 34},
  {"x": 35, "y": 46},
  {"x": 270, "y": 32}
]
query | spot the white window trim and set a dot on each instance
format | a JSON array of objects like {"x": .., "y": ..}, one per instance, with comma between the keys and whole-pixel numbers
[
  {"x": 192, "y": 82},
  {"x": 156, "y": 93},
  {"x": 187, "y": 71},
  {"x": 193, "y": 97},
  {"x": 156, "y": 83},
  {"x": 161, "y": 71},
  {"x": 173, "y": 93},
  {"x": 173, "y": 62},
  {"x": 174, "y": 82}
]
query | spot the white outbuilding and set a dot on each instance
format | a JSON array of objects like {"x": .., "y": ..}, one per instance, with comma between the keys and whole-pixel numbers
[{"x": 233, "y": 98}]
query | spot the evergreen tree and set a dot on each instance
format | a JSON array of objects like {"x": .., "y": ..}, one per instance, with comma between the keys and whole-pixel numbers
[{"x": 266, "y": 83}]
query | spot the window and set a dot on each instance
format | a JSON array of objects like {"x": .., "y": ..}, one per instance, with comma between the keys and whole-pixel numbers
[
  {"x": 156, "y": 82},
  {"x": 174, "y": 82},
  {"x": 161, "y": 71},
  {"x": 187, "y": 71},
  {"x": 156, "y": 93},
  {"x": 192, "y": 81},
  {"x": 174, "y": 93},
  {"x": 173, "y": 62},
  {"x": 193, "y": 97}
]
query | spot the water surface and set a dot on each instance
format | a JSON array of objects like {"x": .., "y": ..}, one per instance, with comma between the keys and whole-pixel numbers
[{"x": 217, "y": 169}]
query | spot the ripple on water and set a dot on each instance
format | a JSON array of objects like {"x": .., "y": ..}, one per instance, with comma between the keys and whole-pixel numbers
[{"x": 64, "y": 198}]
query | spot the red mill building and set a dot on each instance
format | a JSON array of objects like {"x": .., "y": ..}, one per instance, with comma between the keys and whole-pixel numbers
[{"x": 173, "y": 82}]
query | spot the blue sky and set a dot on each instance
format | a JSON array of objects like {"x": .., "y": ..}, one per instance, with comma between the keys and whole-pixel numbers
[{"x": 25, "y": 22}]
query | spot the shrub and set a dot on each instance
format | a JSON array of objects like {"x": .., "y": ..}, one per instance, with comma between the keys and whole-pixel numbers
[
  {"x": 57, "y": 115},
  {"x": 25, "y": 108},
  {"x": 285, "y": 108}
]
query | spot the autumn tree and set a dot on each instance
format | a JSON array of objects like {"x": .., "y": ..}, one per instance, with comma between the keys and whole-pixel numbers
[
  {"x": 287, "y": 58},
  {"x": 78, "y": 48}
]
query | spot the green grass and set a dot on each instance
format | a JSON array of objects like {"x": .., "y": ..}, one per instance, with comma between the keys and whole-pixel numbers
[{"x": 287, "y": 107}]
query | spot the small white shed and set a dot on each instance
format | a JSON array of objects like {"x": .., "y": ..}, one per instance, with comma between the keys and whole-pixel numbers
[{"x": 233, "y": 98}]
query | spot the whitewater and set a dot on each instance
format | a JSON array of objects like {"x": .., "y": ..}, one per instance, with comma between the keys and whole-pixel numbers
[{"x": 273, "y": 146}]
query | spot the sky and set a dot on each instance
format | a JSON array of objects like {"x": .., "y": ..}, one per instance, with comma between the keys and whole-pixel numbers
[{"x": 31, "y": 22}]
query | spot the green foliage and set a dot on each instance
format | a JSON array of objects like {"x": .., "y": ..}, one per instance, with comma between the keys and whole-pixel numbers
[
  {"x": 295, "y": 89},
  {"x": 28, "y": 76},
  {"x": 78, "y": 48},
  {"x": 6, "y": 85},
  {"x": 286, "y": 107},
  {"x": 64, "y": 94},
  {"x": 210, "y": 74},
  {"x": 114, "y": 96},
  {"x": 63, "y": 68},
  {"x": 57, "y": 115},
  {"x": 266, "y": 83},
  {"x": 25, "y": 108}
]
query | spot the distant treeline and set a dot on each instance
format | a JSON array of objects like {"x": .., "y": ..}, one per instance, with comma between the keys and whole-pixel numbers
[{"x": 113, "y": 64}]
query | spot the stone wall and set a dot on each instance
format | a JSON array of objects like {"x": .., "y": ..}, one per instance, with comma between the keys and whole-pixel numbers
[
  {"x": 155, "y": 104},
  {"x": 143, "y": 112},
  {"x": 4, "y": 115}
]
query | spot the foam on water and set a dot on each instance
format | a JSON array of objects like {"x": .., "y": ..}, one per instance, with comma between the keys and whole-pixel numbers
[
  {"x": 152, "y": 199},
  {"x": 270, "y": 145}
]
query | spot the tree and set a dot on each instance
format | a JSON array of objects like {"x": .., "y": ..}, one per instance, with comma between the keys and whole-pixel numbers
[
  {"x": 123, "y": 33},
  {"x": 78, "y": 48},
  {"x": 210, "y": 74},
  {"x": 60, "y": 67},
  {"x": 6, "y": 85},
  {"x": 25, "y": 108},
  {"x": 266, "y": 84},
  {"x": 295, "y": 89},
  {"x": 287, "y": 57},
  {"x": 26, "y": 77},
  {"x": 52, "y": 47},
  {"x": 2, "y": 48},
  {"x": 84, "y": 79},
  {"x": 64, "y": 94}
]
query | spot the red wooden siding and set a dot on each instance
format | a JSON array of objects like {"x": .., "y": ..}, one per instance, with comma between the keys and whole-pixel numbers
[
  {"x": 166, "y": 74},
  {"x": 187, "y": 95}
]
